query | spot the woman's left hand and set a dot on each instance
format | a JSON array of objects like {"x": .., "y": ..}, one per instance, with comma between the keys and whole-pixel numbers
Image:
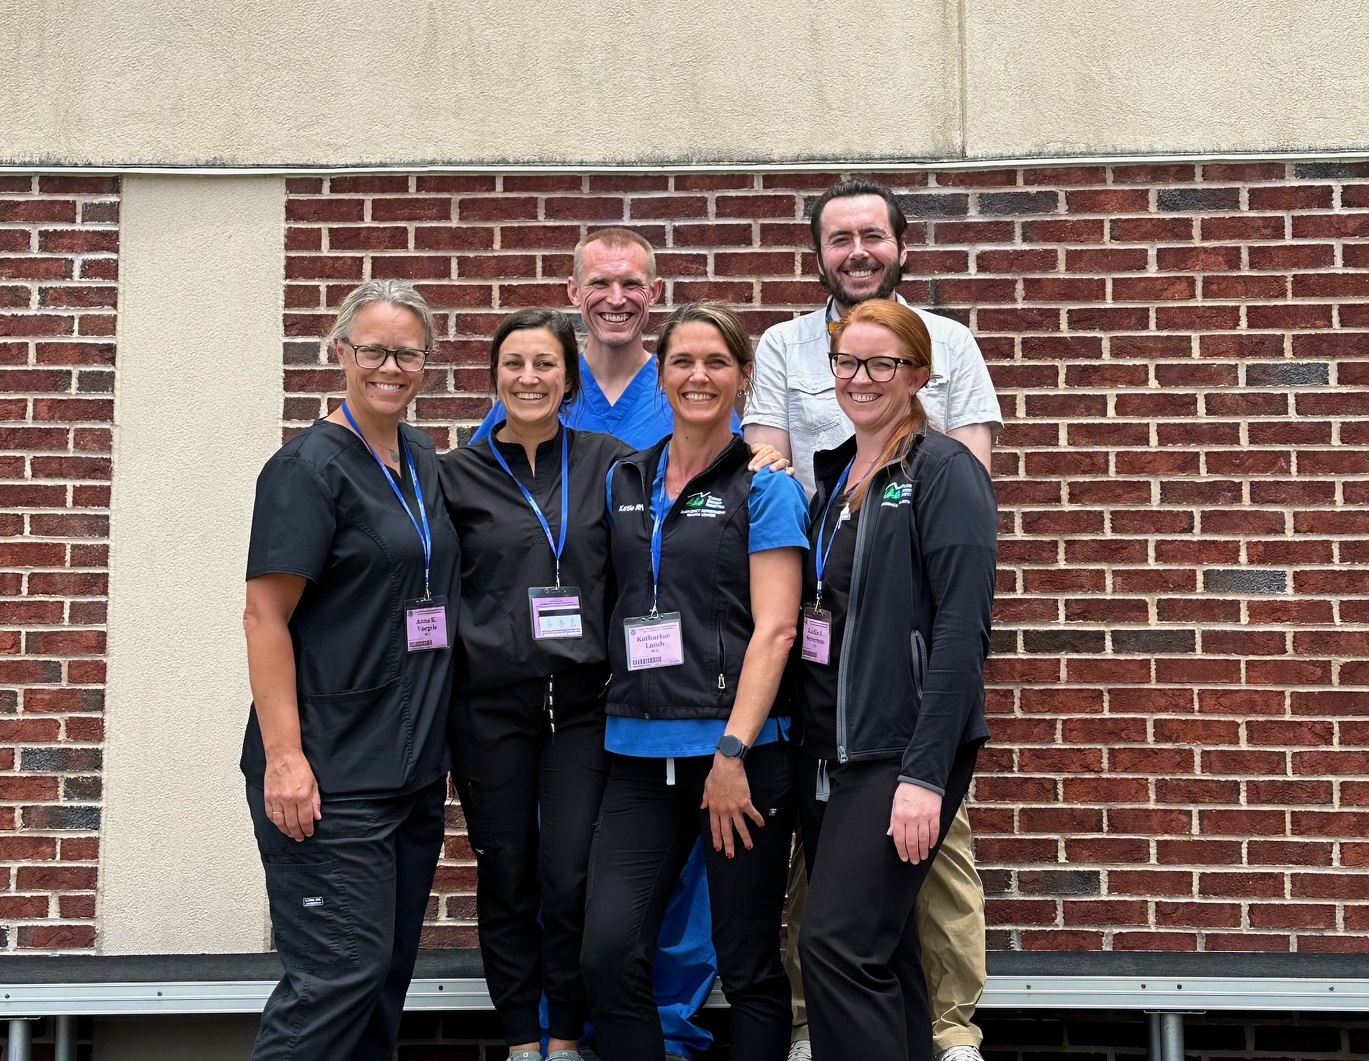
[
  {"x": 915, "y": 822},
  {"x": 727, "y": 798},
  {"x": 764, "y": 455}
]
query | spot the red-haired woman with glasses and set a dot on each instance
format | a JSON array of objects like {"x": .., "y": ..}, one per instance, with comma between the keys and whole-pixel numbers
[{"x": 888, "y": 681}]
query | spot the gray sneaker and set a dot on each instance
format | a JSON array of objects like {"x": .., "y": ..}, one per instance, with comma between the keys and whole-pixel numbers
[
  {"x": 960, "y": 1053},
  {"x": 800, "y": 1050}
]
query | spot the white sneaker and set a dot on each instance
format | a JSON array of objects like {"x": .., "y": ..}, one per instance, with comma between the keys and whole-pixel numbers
[
  {"x": 960, "y": 1053},
  {"x": 800, "y": 1050}
]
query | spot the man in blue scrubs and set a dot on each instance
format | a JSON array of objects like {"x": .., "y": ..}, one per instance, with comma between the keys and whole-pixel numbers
[{"x": 614, "y": 285}]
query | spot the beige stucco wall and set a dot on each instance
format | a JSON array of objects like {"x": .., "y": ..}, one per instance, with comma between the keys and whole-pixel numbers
[
  {"x": 197, "y": 411},
  {"x": 1052, "y": 77},
  {"x": 334, "y": 82}
]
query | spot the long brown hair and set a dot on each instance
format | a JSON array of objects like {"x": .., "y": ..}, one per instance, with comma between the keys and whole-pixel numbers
[{"x": 916, "y": 345}]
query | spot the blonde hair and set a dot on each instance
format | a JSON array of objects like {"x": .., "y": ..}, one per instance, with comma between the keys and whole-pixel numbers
[
  {"x": 393, "y": 292},
  {"x": 915, "y": 344},
  {"x": 615, "y": 237}
]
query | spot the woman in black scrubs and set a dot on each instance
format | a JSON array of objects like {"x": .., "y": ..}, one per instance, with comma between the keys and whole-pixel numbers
[
  {"x": 888, "y": 676},
  {"x": 352, "y": 584},
  {"x": 527, "y": 728}
]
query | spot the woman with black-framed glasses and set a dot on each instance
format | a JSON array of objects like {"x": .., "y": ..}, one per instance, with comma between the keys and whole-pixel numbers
[
  {"x": 352, "y": 580},
  {"x": 888, "y": 683}
]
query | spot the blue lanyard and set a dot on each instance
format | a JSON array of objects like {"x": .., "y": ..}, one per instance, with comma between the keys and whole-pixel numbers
[
  {"x": 425, "y": 533},
  {"x": 557, "y": 547},
  {"x": 660, "y": 508},
  {"x": 821, "y": 554}
]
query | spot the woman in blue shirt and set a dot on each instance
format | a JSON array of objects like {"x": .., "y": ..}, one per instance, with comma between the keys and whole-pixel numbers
[{"x": 707, "y": 556}]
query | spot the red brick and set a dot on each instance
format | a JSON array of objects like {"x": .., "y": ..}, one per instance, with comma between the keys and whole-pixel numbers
[
  {"x": 722, "y": 234},
  {"x": 1063, "y": 231},
  {"x": 1330, "y": 226},
  {"x": 1291, "y": 915},
  {"x": 1245, "y": 286},
  {"x": 368, "y": 238},
  {"x": 78, "y": 241},
  {"x": 56, "y": 937},
  {"x": 412, "y": 208},
  {"x": 585, "y": 208}
]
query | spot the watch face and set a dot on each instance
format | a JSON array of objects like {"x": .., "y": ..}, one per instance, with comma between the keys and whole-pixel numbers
[{"x": 731, "y": 746}]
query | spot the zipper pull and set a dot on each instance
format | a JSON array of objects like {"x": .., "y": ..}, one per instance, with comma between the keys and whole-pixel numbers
[{"x": 722, "y": 681}]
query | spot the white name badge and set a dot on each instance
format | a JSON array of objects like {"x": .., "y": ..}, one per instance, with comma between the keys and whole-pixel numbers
[
  {"x": 555, "y": 612},
  {"x": 654, "y": 641},
  {"x": 817, "y": 636},
  {"x": 425, "y": 623}
]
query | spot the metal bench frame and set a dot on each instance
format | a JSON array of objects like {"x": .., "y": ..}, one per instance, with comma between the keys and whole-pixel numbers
[{"x": 1165, "y": 986}]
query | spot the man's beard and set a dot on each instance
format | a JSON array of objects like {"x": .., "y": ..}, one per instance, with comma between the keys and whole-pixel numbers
[{"x": 892, "y": 277}]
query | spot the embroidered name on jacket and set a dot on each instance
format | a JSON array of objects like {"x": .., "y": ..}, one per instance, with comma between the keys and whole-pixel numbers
[{"x": 704, "y": 504}]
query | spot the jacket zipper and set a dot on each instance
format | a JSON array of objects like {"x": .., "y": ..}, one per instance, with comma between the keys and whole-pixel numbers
[
  {"x": 848, "y": 638},
  {"x": 722, "y": 659}
]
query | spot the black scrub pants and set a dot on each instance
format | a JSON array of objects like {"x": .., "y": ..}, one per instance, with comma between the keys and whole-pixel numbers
[
  {"x": 531, "y": 797},
  {"x": 646, "y": 830},
  {"x": 347, "y": 907},
  {"x": 861, "y": 963}
]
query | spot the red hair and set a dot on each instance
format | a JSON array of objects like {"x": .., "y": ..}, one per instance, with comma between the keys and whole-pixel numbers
[{"x": 915, "y": 344}]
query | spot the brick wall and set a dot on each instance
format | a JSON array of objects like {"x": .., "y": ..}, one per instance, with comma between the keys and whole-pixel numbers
[
  {"x": 59, "y": 243},
  {"x": 1180, "y": 686}
]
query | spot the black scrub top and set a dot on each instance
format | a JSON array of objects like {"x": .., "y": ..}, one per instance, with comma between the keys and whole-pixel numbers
[
  {"x": 505, "y": 552},
  {"x": 373, "y": 715}
]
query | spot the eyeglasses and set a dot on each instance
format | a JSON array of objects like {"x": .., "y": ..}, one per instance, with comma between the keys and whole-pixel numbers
[
  {"x": 879, "y": 369},
  {"x": 409, "y": 358}
]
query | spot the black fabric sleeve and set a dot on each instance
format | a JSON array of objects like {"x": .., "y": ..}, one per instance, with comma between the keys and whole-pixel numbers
[
  {"x": 293, "y": 520},
  {"x": 957, "y": 519}
]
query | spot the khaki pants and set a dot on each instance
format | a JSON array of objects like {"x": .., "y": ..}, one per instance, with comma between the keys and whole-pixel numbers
[{"x": 950, "y": 927}]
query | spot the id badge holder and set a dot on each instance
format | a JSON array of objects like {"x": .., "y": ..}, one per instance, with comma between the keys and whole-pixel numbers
[
  {"x": 654, "y": 641},
  {"x": 817, "y": 636},
  {"x": 555, "y": 612},
  {"x": 425, "y": 624}
]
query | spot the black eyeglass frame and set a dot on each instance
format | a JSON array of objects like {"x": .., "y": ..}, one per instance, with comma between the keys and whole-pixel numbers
[
  {"x": 389, "y": 353},
  {"x": 864, "y": 362}
]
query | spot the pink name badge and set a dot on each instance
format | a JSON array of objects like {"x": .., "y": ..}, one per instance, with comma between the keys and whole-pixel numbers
[
  {"x": 555, "y": 612},
  {"x": 425, "y": 623},
  {"x": 654, "y": 641},
  {"x": 817, "y": 636}
]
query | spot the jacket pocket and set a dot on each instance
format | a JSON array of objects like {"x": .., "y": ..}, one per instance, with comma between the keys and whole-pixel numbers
[
  {"x": 918, "y": 660},
  {"x": 359, "y": 740}
]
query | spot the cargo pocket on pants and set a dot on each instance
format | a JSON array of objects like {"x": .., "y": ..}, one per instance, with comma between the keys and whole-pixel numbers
[{"x": 309, "y": 916}]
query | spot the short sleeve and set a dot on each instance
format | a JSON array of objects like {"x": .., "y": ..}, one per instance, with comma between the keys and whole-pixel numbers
[
  {"x": 293, "y": 521},
  {"x": 767, "y": 404},
  {"x": 970, "y": 395},
  {"x": 778, "y": 508}
]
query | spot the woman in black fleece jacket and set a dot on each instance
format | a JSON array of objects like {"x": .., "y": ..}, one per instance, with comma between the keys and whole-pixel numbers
[{"x": 888, "y": 682}]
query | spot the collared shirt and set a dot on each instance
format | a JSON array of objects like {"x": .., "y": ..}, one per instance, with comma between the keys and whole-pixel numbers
[{"x": 793, "y": 388}]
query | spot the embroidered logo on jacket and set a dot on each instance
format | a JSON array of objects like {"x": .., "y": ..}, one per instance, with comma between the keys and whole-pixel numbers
[
  {"x": 704, "y": 504},
  {"x": 896, "y": 494}
]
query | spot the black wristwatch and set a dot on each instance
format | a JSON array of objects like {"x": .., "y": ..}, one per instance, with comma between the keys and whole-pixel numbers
[{"x": 732, "y": 747}]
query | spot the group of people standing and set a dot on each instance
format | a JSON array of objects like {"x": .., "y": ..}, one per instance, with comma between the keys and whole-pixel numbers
[{"x": 643, "y": 652}]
